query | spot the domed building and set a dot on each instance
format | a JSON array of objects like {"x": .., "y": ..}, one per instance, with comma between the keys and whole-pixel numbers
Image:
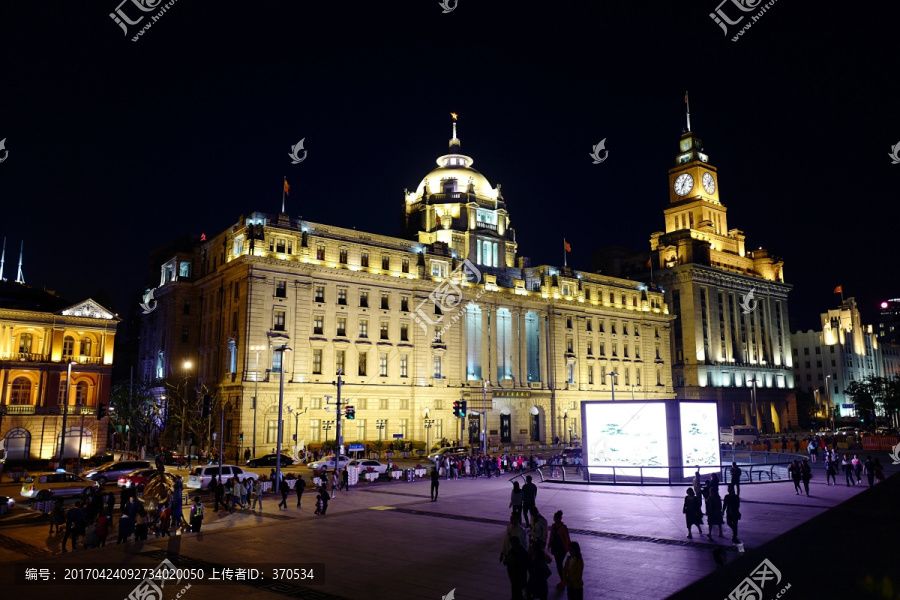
[{"x": 405, "y": 330}]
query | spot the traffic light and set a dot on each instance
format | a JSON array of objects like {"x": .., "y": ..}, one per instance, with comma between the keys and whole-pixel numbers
[
  {"x": 350, "y": 412},
  {"x": 241, "y": 436},
  {"x": 101, "y": 411},
  {"x": 207, "y": 406},
  {"x": 462, "y": 409},
  {"x": 457, "y": 406}
]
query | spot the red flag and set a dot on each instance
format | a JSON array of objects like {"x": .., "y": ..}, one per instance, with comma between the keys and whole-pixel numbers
[
  {"x": 566, "y": 245},
  {"x": 649, "y": 262},
  {"x": 838, "y": 290},
  {"x": 685, "y": 98},
  {"x": 287, "y": 188}
]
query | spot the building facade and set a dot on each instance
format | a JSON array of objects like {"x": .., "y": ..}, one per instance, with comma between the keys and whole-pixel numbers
[
  {"x": 731, "y": 337},
  {"x": 889, "y": 321},
  {"x": 40, "y": 339},
  {"x": 446, "y": 313}
]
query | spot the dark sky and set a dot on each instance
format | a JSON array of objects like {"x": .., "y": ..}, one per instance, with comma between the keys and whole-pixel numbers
[{"x": 116, "y": 147}]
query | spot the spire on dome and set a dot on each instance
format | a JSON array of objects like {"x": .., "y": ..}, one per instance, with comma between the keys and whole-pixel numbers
[{"x": 454, "y": 141}]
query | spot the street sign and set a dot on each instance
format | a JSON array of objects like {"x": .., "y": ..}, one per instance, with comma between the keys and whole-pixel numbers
[
  {"x": 398, "y": 436},
  {"x": 848, "y": 406},
  {"x": 215, "y": 435},
  {"x": 357, "y": 448}
]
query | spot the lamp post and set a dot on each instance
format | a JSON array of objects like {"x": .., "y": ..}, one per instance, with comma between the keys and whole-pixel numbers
[
  {"x": 277, "y": 483},
  {"x": 612, "y": 381},
  {"x": 185, "y": 366},
  {"x": 256, "y": 349},
  {"x": 428, "y": 424},
  {"x": 829, "y": 401},
  {"x": 816, "y": 395},
  {"x": 379, "y": 425},
  {"x": 326, "y": 427},
  {"x": 753, "y": 397},
  {"x": 62, "y": 437},
  {"x": 566, "y": 425},
  {"x": 484, "y": 417},
  {"x": 632, "y": 392}
]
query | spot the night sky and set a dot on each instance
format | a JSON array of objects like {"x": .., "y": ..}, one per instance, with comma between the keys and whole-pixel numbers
[{"x": 116, "y": 147}]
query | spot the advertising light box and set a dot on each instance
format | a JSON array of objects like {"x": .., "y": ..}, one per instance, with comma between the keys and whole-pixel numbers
[
  {"x": 699, "y": 437},
  {"x": 626, "y": 434}
]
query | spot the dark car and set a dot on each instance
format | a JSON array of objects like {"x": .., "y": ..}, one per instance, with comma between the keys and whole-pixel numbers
[
  {"x": 269, "y": 461},
  {"x": 101, "y": 459}
]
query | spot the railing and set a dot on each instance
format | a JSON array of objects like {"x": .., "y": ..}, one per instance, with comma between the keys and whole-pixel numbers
[
  {"x": 485, "y": 225},
  {"x": 23, "y": 356},
  {"x": 18, "y": 409}
]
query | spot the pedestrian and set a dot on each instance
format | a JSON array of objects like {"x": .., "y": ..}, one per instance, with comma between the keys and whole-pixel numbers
[
  {"x": 805, "y": 475},
  {"x": 110, "y": 504},
  {"x": 300, "y": 487},
  {"x": 102, "y": 528},
  {"x": 538, "y": 573},
  {"x": 869, "y": 467},
  {"x": 335, "y": 481},
  {"x": 74, "y": 526},
  {"x": 783, "y": 444},
  {"x": 140, "y": 523},
  {"x": 695, "y": 483},
  {"x": 529, "y": 497},
  {"x": 57, "y": 516},
  {"x": 794, "y": 471},
  {"x": 126, "y": 528},
  {"x": 515, "y": 502},
  {"x": 574, "y": 573},
  {"x": 238, "y": 493},
  {"x": 345, "y": 480},
  {"x": 847, "y": 468},
  {"x": 246, "y": 487},
  {"x": 219, "y": 492},
  {"x": 257, "y": 496},
  {"x": 693, "y": 512},
  {"x": 830, "y": 470},
  {"x": 165, "y": 521},
  {"x": 559, "y": 545},
  {"x": 323, "y": 496},
  {"x": 538, "y": 531},
  {"x": 879, "y": 471},
  {"x": 731, "y": 505},
  {"x": 515, "y": 557},
  {"x": 91, "y": 540},
  {"x": 736, "y": 478},
  {"x": 284, "y": 489},
  {"x": 177, "y": 504},
  {"x": 857, "y": 468},
  {"x": 196, "y": 515},
  {"x": 714, "y": 511},
  {"x": 435, "y": 483}
]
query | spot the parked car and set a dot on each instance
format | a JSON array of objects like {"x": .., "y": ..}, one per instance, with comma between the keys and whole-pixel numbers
[
  {"x": 172, "y": 458},
  {"x": 449, "y": 451},
  {"x": 6, "y": 504},
  {"x": 102, "y": 459},
  {"x": 112, "y": 471},
  {"x": 269, "y": 460},
  {"x": 201, "y": 476},
  {"x": 328, "y": 463},
  {"x": 886, "y": 431},
  {"x": 365, "y": 465},
  {"x": 43, "y": 486},
  {"x": 137, "y": 479},
  {"x": 848, "y": 431},
  {"x": 571, "y": 453}
]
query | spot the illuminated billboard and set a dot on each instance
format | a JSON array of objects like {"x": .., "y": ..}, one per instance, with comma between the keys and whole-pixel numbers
[
  {"x": 626, "y": 434},
  {"x": 699, "y": 436}
]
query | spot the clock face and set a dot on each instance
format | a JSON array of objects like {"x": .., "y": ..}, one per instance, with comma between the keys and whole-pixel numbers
[
  {"x": 709, "y": 183},
  {"x": 685, "y": 145},
  {"x": 684, "y": 184}
]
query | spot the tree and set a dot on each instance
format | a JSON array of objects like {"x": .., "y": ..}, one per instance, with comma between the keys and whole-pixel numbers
[
  {"x": 806, "y": 407},
  {"x": 863, "y": 394},
  {"x": 134, "y": 411}
]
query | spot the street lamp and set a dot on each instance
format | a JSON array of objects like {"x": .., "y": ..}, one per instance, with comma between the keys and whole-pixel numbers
[
  {"x": 632, "y": 392},
  {"x": 185, "y": 366},
  {"x": 566, "y": 425},
  {"x": 283, "y": 364},
  {"x": 62, "y": 437},
  {"x": 829, "y": 401},
  {"x": 379, "y": 425},
  {"x": 753, "y": 397},
  {"x": 326, "y": 427},
  {"x": 257, "y": 350},
  {"x": 612, "y": 381},
  {"x": 428, "y": 424}
]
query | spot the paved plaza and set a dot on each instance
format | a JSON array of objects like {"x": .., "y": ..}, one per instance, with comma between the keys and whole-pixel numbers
[{"x": 389, "y": 541}]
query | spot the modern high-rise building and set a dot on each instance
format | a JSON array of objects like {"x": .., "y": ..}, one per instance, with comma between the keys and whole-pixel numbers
[
  {"x": 888, "y": 326},
  {"x": 446, "y": 313},
  {"x": 43, "y": 341},
  {"x": 731, "y": 337}
]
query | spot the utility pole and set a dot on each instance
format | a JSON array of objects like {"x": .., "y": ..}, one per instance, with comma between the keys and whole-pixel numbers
[
  {"x": 277, "y": 483},
  {"x": 338, "y": 433},
  {"x": 62, "y": 437}
]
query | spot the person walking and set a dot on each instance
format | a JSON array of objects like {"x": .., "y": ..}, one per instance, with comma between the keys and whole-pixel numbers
[
  {"x": 435, "y": 483},
  {"x": 515, "y": 557},
  {"x": 830, "y": 470},
  {"x": 300, "y": 487},
  {"x": 869, "y": 467},
  {"x": 196, "y": 515},
  {"x": 805, "y": 475},
  {"x": 731, "y": 505},
  {"x": 847, "y": 468},
  {"x": 736, "y": 478},
  {"x": 538, "y": 573},
  {"x": 177, "y": 504},
  {"x": 538, "y": 531},
  {"x": 515, "y": 502},
  {"x": 335, "y": 481},
  {"x": 57, "y": 516},
  {"x": 323, "y": 497},
  {"x": 141, "y": 523},
  {"x": 102, "y": 528},
  {"x": 857, "y": 468},
  {"x": 574, "y": 573},
  {"x": 74, "y": 526},
  {"x": 529, "y": 497},
  {"x": 257, "y": 497},
  {"x": 126, "y": 528},
  {"x": 794, "y": 471},
  {"x": 693, "y": 512},
  {"x": 246, "y": 488},
  {"x": 559, "y": 545},
  {"x": 284, "y": 489},
  {"x": 714, "y": 511},
  {"x": 345, "y": 480},
  {"x": 219, "y": 493},
  {"x": 879, "y": 471},
  {"x": 165, "y": 521}
]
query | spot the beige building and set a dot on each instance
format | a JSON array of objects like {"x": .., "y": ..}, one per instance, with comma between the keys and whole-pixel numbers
[
  {"x": 40, "y": 336},
  {"x": 448, "y": 313}
]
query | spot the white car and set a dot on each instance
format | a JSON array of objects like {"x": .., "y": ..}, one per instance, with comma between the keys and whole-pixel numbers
[
  {"x": 201, "y": 476},
  {"x": 328, "y": 463},
  {"x": 365, "y": 465}
]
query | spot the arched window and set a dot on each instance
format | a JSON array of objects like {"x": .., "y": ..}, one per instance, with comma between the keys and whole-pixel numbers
[
  {"x": 86, "y": 346},
  {"x": 81, "y": 393},
  {"x": 21, "y": 391},
  {"x": 68, "y": 346},
  {"x": 17, "y": 443},
  {"x": 25, "y": 342}
]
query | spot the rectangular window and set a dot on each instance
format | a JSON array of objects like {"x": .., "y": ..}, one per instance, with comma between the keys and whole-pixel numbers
[
  {"x": 384, "y": 330},
  {"x": 187, "y": 307},
  {"x": 276, "y": 362},
  {"x": 590, "y": 348},
  {"x": 315, "y": 430},
  {"x": 386, "y": 262},
  {"x": 404, "y": 332},
  {"x": 587, "y": 295},
  {"x": 234, "y": 322},
  {"x": 364, "y": 259},
  {"x": 317, "y": 361},
  {"x": 362, "y": 404},
  {"x": 382, "y": 364},
  {"x": 591, "y": 375},
  {"x": 184, "y": 335},
  {"x": 364, "y": 299},
  {"x": 363, "y": 328},
  {"x": 437, "y": 367},
  {"x": 339, "y": 357},
  {"x": 404, "y": 265},
  {"x": 272, "y": 431},
  {"x": 404, "y": 404},
  {"x": 570, "y": 346},
  {"x": 320, "y": 252},
  {"x": 342, "y": 256},
  {"x": 385, "y": 301},
  {"x": 278, "y": 325},
  {"x": 383, "y": 404},
  {"x": 342, "y": 296},
  {"x": 438, "y": 268},
  {"x": 570, "y": 372},
  {"x": 363, "y": 364},
  {"x": 404, "y": 364},
  {"x": 568, "y": 322},
  {"x": 279, "y": 246},
  {"x": 290, "y": 247},
  {"x": 589, "y": 324},
  {"x": 602, "y": 349},
  {"x": 437, "y": 333},
  {"x": 341, "y": 327},
  {"x": 320, "y": 293},
  {"x": 318, "y": 324},
  {"x": 404, "y": 303},
  {"x": 403, "y": 428},
  {"x": 316, "y": 403},
  {"x": 281, "y": 289},
  {"x": 637, "y": 377}
]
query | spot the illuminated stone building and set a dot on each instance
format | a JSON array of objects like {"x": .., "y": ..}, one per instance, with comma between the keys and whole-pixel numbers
[
  {"x": 730, "y": 303},
  {"x": 411, "y": 330},
  {"x": 40, "y": 335}
]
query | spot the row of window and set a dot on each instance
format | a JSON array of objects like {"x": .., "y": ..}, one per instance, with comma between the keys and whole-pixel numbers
[
  {"x": 571, "y": 289},
  {"x": 362, "y": 363},
  {"x": 26, "y": 345},
  {"x": 613, "y": 326},
  {"x": 363, "y": 298},
  {"x": 621, "y": 372},
  {"x": 614, "y": 347},
  {"x": 321, "y": 429},
  {"x": 340, "y": 328},
  {"x": 364, "y": 260},
  {"x": 21, "y": 389}
]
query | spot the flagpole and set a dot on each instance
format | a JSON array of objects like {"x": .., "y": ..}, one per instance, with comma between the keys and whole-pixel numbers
[
  {"x": 565, "y": 254},
  {"x": 282, "y": 194}
]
